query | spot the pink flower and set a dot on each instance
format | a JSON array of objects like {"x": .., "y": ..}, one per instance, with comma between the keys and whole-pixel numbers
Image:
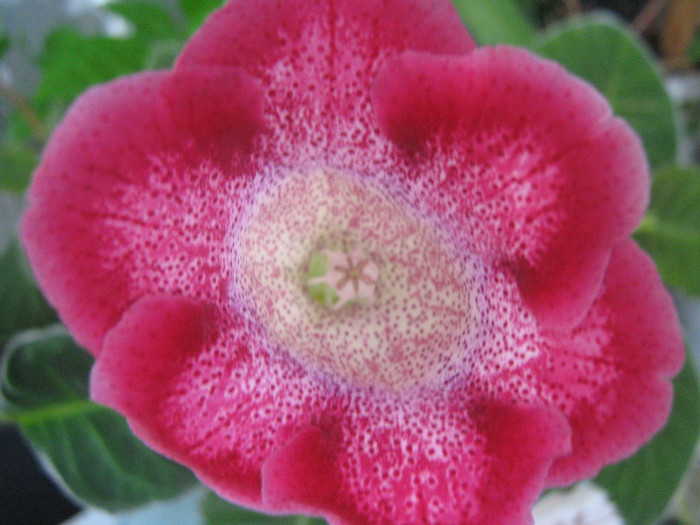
[{"x": 339, "y": 262}]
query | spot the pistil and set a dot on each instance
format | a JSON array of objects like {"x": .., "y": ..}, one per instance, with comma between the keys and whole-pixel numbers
[{"x": 337, "y": 278}]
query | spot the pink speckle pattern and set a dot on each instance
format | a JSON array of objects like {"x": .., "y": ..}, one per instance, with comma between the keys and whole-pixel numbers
[
  {"x": 423, "y": 323},
  {"x": 386, "y": 458},
  {"x": 143, "y": 192},
  {"x": 528, "y": 344},
  {"x": 511, "y": 159}
]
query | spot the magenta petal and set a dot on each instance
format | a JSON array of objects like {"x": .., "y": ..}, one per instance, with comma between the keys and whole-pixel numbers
[
  {"x": 156, "y": 230},
  {"x": 257, "y": 33},
  {"x": 526, "y": 159},
  {"x": 195, "y": 388},
  {"x": 118, "y": 183},
  {"x": 266, "y": 437},
  {"x": 218, "y": 105},
  {"x": 445, "y": 468},
  {"x": 145, "y": 372},
  {"x": 316, "y": 60},
  {"x": 101, "y": 143},
  {"x": 521, "y": 442},
  {"x": 299, "y": 472},
  {"x": 611, "y": 378},
  {"x": 141, "y": 359}
]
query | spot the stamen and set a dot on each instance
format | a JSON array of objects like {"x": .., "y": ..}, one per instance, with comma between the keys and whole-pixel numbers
[{"x": 337, "y": 278}]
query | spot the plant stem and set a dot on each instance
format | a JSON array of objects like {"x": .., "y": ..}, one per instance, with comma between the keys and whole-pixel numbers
[
  {"x": 647, "y": 15},
  {"x": 573, "y": 7},
  {"x": 680, "y": 23},
  {"x": 25, "y": 109}
]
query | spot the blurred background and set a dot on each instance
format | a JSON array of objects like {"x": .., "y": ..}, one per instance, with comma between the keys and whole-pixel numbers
[{"x": 51, "y": 50}]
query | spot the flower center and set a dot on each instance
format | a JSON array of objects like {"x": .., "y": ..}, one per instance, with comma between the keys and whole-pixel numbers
[
  {"x": 336, "y": 278},
  {"x": 355, "y": 284}
]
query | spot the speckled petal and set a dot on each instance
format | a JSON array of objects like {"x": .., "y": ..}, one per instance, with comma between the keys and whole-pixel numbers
[
  {"x": 525, "y": 159},
  {"x": 611, "y": 377},
  {"x": 142, "y": 358},
  {"x": 175, "y": 217},
  {"x": 129, "y": 195},
  {"x": 255, "y": 34},
  {"x": 317, "y": 59},
  {"x": 195, "y": 385},
  {"x": 444, "y": 464},
  {"x": 259, "y": 432}
]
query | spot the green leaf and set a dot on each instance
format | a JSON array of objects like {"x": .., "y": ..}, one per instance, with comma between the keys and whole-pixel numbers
[
  {"x": 150, "y": 22},
  {"x": 88, "y": 447},
  {"x": 642, "y": 485},
  {"x": 4, "y": 44},
  {"x": 22, "y": 305},
  {"x": 670, "y": 232},
  {"x": 219, "y": 512},
  {"x": 606, "y": 54},
  {"x": 197, "y": 11},
  {"x": 693, "y": 51},
  {"x": 4, "y": 38},
  {"x": 496, "y": 21},
  {"x": 72, "y": 61},
  {"x": 17, "y": 162}
]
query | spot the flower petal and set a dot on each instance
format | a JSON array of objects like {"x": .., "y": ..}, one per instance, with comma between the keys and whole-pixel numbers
[
  {"x": 260, "y": 432},
  {"x": 214, "y": 105},
  {"x": 256, "y": 34},
  {"x": 611, "y": 379},
  {"x": 525, "y": 159},
  {"x": 117, "y": 197},
  {"x": 442, "y": 464},
  {"x": 142, "y": 359},
  {"x": 316, "y": 59},
  {"x": 301, "y": 471},
  {"x": 195, "y": 385},
  {"x": 142, "y": 373},
  {"x": 132, "y": 232}
]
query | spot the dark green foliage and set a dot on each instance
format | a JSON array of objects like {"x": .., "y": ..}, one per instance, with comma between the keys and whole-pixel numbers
[
  {"x": 496, "y": 22},
  {"x": 643, "y": 485},
  {"x": 197, "y": 11},
  {"x": 22, "y": 305},
  {"x": 17, "y": 162},
  {"x": 72, "y": 61},
  {"x": 606, "y": 54},
  {"x": 91, "y": 450},
  {"x": 670, "y": 231}
]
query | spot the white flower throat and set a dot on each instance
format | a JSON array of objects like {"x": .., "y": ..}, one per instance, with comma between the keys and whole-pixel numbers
[{"x": 354, "y": 284}]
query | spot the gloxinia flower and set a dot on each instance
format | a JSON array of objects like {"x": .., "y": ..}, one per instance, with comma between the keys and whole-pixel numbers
[{"x": 340, "y": 262}]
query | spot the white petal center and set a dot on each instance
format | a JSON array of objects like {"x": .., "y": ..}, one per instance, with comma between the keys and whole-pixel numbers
[{"x": 355, "y": 284}]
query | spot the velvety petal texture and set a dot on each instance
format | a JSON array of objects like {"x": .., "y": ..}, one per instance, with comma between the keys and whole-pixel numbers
[
  {"x": 610, "y": 377},
  {"x": 355, "y": 457},
  {"x": 527, "y": 158},
  {"x": 121, "y": 192},
  {"x": 493, "y": 331}
]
